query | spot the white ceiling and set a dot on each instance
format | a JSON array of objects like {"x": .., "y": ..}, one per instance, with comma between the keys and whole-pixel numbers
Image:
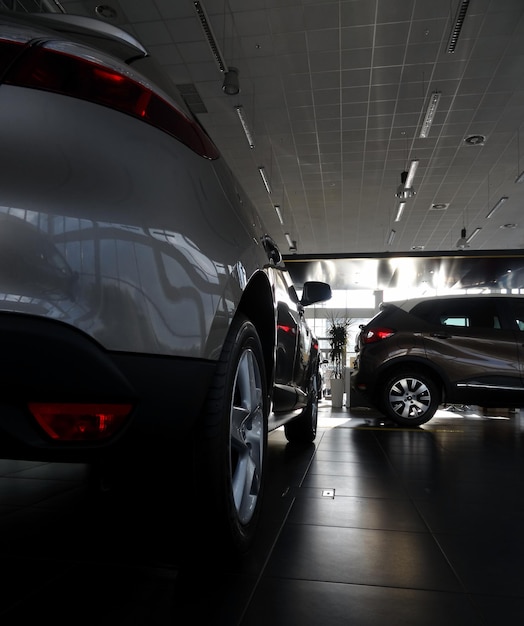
[{"x": 335, "y": 93}]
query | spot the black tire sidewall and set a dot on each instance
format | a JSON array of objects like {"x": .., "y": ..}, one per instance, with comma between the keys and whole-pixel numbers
[
  {"x": 223, "y": 525},
  {"x": 391, "y": 381}
]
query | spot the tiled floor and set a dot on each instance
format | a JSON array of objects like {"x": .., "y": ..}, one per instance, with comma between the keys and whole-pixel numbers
[{"x": 373, "y": 524}]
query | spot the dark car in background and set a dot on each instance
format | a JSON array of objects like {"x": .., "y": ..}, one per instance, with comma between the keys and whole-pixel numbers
[
  {"x": 146, "y": 316},
  {"x": 460, "y": 349}
]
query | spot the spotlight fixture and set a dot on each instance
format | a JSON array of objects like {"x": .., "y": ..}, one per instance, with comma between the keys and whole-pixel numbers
[
  {"x": 496, "y": 206},
  {"x": 405, "y": 189},
  {"x": 247, "y": 132},
  {"x": 231, "y": 86},
  {"x": 400, "y": 210},
  {"x": 457, "y": 27},
  {"x": 462, "y": 242},
  {"x": 264, "y": 177},
  {"x": 391, "y": 236},
  {"x": 279, "y": 213},
  {"x": 430, "y": 114}
]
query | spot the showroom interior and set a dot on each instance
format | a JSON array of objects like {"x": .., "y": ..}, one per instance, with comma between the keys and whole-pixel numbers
[{"x": 382, "y": 143}]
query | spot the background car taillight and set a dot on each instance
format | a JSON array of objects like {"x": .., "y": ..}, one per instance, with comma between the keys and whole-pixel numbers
[
  {"x": 371, "y": 335},
  {"x": 80, "y": 422},
  {"x": 67, "y": 72}
]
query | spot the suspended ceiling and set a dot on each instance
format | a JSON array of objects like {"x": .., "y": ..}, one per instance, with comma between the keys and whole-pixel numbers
[{"x": 335, "y": 94}]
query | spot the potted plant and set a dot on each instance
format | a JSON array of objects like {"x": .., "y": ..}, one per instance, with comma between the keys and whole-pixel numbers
[{"x": 338, "y": 337}]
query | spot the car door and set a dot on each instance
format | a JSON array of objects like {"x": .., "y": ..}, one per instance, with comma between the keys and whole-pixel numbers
[
  {"x": 293, "y": 346},
  {"x": 471, "y": 342}
]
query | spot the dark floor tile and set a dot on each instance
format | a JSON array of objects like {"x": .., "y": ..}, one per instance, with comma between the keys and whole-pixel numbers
[
  {"x": 361, "y": 556},
  {"x": 490, "y": 564},
  {"x": 27, "y": 491},
  {"x": 311, "y": 603},
  {"x": 350, "y": 511},
  {"x": 350, "y": 468},
  {"x": 365, "y": 486},
  {"x": 91, "y": 596},
  {"x": 501, "y": 609}
]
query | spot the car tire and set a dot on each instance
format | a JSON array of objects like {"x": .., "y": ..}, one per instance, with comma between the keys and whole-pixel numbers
[
  {"x": 231, "y": 467},
  {"x": 303, "y": 429},
  {"x": 410, "y": 398}
]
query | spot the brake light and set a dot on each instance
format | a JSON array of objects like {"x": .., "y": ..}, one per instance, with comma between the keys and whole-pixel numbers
[
  {"x": 80, "y": 422},
  {"x": 71, "y": 74},
  {"x": 290, "y": 330},
  {"x": 376, "y": 334}
]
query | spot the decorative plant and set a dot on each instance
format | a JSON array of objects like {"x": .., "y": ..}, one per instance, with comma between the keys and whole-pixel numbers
[{"x": 338, "y": 337}]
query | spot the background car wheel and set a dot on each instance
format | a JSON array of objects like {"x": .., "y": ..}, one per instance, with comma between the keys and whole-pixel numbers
[
  {"x": 231, "y": 462},
  {"x": 410, "y": 398},
  {"x": 303, "y": 429}
]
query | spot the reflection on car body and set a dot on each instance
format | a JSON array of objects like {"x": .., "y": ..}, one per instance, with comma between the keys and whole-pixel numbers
[{"x": 145, "y": 311}]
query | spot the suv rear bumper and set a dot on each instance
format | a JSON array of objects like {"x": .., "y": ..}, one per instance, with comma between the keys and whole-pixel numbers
[{"x": 48, "y": 361}]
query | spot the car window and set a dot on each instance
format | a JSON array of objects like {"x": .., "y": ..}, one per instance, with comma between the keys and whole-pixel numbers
[
  {"x": 519, "y": 315},
  {"x": 462, "y": 313},
  {"x": 478, "y": 315}
]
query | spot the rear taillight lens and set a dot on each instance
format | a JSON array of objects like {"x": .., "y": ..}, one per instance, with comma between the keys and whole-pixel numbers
[
  {"x": 71, "y": 71},
  {"x": 80, "y": 422},
  {"x": 371, "y": 335}
]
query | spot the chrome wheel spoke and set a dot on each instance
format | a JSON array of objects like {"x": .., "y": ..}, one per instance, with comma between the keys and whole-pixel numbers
[{"x": 247, "y": 431}]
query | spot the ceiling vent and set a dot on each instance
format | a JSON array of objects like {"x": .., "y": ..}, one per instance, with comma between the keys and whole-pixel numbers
[
  {"x": 475, "y": 140},
  {"x": 192, "y": 98}
]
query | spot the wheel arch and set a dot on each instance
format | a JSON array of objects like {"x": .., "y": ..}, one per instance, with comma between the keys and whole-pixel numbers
[
  {"x": 257, "y": 304},
  {"x": 420, "y": 366}
]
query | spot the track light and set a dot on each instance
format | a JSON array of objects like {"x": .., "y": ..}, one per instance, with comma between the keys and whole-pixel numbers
[
  {"x": 497, "y": 205},
  {"x": 230, "y": 86},
  {"x": 265, "y": 180},
  {"x": 279, "y": 213},
  {"x": 520, "y": 177},
  {"x": 430, "y": 114},
  {"x": 392, "y": 234},
  {"x": 211, "y": 39},
  {"x": 247, "y": 132},
  {"x": 405, "y": 189},
  {"x": 457, "y": 27}
]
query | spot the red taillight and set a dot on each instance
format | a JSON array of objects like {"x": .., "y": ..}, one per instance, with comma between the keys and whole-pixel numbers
[
  {"x": 80, "y": 422},
  {"x": 290, "y": 330},
  {"x": 41, "y": 67},
  {"x": 371, "y": 335}
]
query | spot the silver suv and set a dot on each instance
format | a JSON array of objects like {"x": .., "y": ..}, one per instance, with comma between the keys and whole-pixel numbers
[{"x": 145, "y": 313}]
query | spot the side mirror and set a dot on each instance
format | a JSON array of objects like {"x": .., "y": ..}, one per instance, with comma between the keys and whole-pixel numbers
[{"x": 315, "y": 291}]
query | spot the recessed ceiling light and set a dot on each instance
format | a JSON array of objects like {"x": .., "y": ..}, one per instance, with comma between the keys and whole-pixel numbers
[
  {"x": 417, "y": 247},
  {"x": 508, "y": 226},
  {"x": 475, "y": 140},
  {"x": 104, "y": 10},
  {"x": 439, "y": 206}
]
